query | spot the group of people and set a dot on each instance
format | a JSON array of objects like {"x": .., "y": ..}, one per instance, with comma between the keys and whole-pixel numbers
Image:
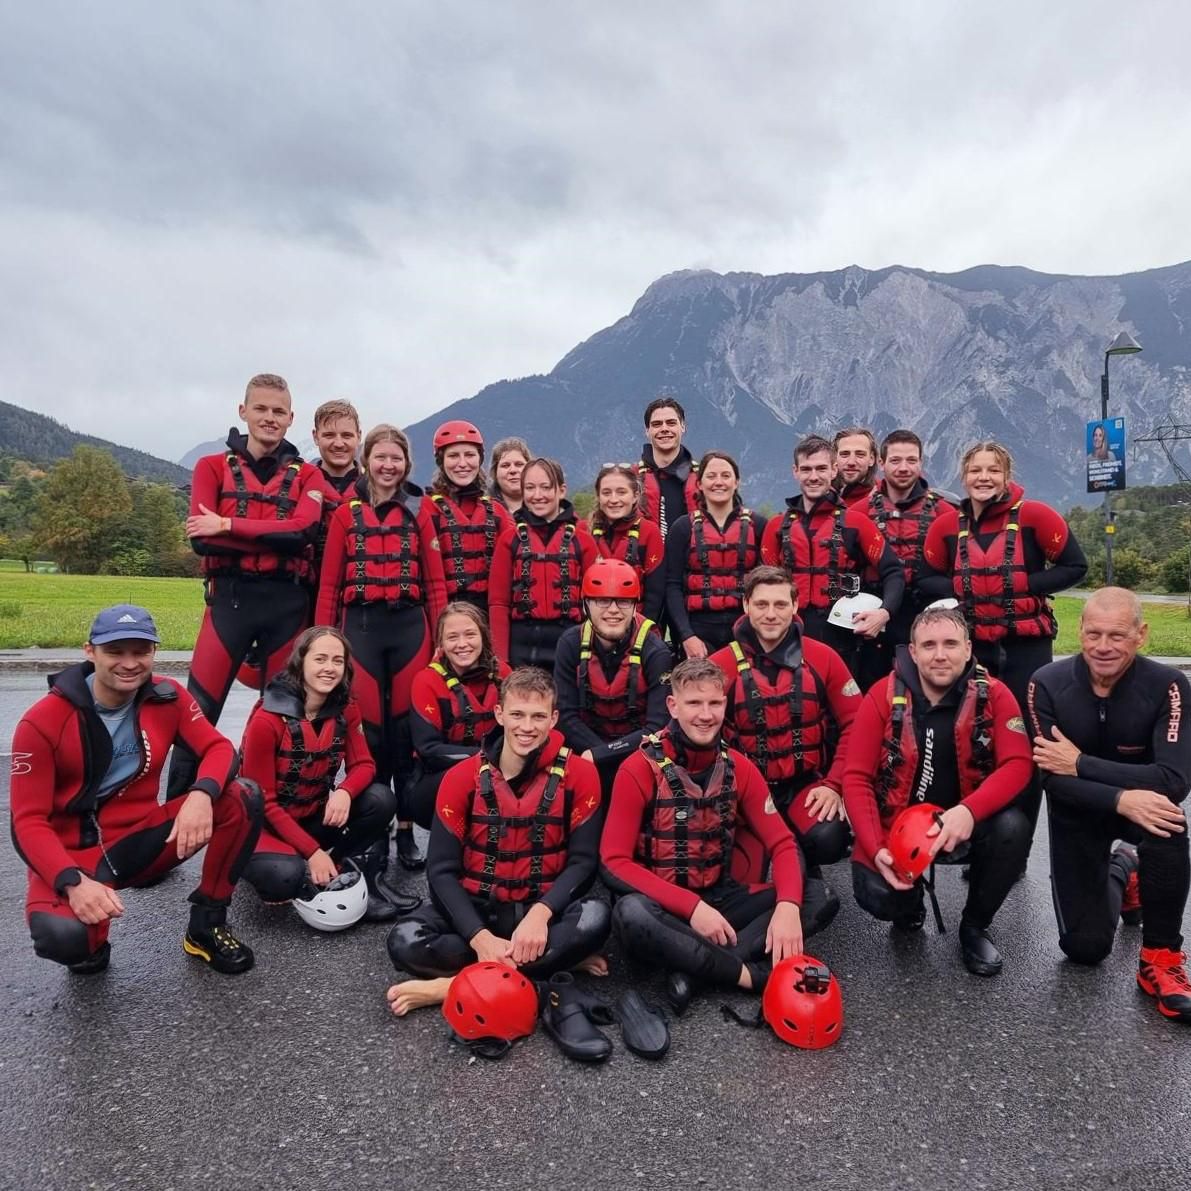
[{"x": 704, "y": 707}]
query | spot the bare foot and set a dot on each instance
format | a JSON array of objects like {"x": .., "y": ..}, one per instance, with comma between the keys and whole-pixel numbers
[
  {"x": 416, "y": 994},
  {"x": 593, "y": 965}
]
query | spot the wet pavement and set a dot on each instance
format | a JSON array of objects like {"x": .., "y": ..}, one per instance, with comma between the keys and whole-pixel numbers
[{"x": 163, "y": 1074}]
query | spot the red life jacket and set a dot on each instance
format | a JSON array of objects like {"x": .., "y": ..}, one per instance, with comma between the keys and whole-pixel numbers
[
  {"x": 615, "y": 708},
  {"x": 241, "y": 494},
  {"x": 828, "y": 571},
  {"x": 651, "y": 492},
  {"x": 782, "y": 727},
  {"x": 899, "y": 751},
  {"x": 546, "y": 581},
  {"x": 904, "y": 529},
  {"x": 333, "y": 497},
  {"x": 718, "y": 562},
  {"x": 687, "y": 837},
  {"x": 383, "y": 562},
  {"x": 624, "y": 546},
  {"x": 307, "y": 769},
  {"x": 994, "y": 586},
  {"x": 515, "y": 847},
  {"x": 464, "y": 721},
  {"x": 467, "y": 544}
]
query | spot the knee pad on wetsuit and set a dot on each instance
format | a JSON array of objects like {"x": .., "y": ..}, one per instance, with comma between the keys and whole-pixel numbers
[
  {"x": 825, "y": 843},
  {"x": 64, "y": 940},
  {"x": 1086, "y": 948},
  {"x": 276, "y": 876},
  {"x": 633, "y": 919},
  {"x": 594, "y": 923}
]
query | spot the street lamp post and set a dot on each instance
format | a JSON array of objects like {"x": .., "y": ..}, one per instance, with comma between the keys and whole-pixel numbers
[{"x": 1123, "y": 345}]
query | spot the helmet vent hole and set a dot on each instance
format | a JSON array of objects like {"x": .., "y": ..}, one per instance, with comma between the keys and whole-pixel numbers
[
  {"x": 505, "y": 975},
  {"x": 914, "y": 853},
  {"x": 790, "y": 1025},
  {"x": 480, "y": 1019},
  {"x": 829, "y": 1029}
]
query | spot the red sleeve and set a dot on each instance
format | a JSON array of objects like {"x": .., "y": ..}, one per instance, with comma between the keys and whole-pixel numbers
[
  {"x": 327, "y": 610},
  {"x": 216, "y": 754},
  {"x": 500, "y": 593},
  {"x": 844, "y": 699},
  {"x": 589, "y": 552},
  {"x": 360, "y": 769},
  {"x": 1050, "y": 530},
  {"x": 936, "y": 551},
  {"x": 452, "y": 805},
  {"x": 424, "y": 696},
  {"x": 771, "y": 543},
  {"x": 860, "y": 767},
  {"x": 631, "y": 792},
  {"x": 205, "y": 485},
  {"x": 262, "y": 740},
  {"x": 1013, "y": 756},
  {"x": 868, "y": 537},
  {"x": 770, "y": 829},
  {"x": 32, "y": 801},
  {"x": 653, "y": 550},
  {"x": 431, "y": 560}
]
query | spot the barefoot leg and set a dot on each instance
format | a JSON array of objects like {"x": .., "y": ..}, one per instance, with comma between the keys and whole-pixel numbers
[{"x": 416, "y": 994}]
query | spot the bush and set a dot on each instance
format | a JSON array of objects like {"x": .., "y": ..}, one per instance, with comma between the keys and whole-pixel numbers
[
  {"x": 1173, "y": 572},
  {"x": 1132, "y": 571}
]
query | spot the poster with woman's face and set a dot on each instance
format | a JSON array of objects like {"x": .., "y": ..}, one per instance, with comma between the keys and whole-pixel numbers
[{"x": 1106, "y": 455}]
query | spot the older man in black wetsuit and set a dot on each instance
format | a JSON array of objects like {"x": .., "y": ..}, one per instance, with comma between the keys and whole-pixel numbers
[{"x": 1115, "y": 757}]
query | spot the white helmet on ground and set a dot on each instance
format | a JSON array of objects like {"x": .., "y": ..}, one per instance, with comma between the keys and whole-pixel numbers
[
  {"x": 340, "y": 905},
  {"x": 844, "y": 609}
]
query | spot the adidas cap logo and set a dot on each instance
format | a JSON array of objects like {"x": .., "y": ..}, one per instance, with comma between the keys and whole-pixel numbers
[{"x": 126, "y": 619}]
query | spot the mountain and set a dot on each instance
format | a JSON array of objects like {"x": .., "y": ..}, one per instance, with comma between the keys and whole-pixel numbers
[
  {"x": 197, "y": 452},
  {"x": 32, "y": 436},
  {"x": 991, "y": 352}
]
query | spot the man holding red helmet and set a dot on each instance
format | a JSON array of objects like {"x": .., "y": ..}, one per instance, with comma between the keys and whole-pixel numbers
[
  {"x": 611, "y": 671},
  {"x": 940, "y": 731}
]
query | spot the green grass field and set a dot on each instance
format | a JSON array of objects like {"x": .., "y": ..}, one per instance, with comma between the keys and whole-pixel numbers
[{"x": 56, "y": 610}]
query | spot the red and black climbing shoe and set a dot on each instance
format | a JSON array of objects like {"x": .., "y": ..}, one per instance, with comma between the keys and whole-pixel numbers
[
  {"x": 1126, "y": 855},
  {"x": 217, "y": 946},
  {"x": 1162, "y": 974}
]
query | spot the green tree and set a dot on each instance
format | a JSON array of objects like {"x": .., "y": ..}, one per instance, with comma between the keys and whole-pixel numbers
[
  {"x": 83, "y": 508},
  {"x": 1174, "y": 573}
]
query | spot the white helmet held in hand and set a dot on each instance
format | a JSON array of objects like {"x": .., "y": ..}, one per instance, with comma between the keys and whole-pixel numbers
[
  {"x": 340, "y": 905},
  {"x": 843, "y": 610}
]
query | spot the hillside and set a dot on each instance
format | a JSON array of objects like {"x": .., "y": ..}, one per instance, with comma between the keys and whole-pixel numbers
[
  {"x": 38, "y": 439},
  {"x": 758, "y": 361}
]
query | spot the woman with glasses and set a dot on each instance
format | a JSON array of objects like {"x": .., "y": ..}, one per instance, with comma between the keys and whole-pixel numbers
[
  {"x": 708, "y": 554},
  {"x": 622, "y": 531}
]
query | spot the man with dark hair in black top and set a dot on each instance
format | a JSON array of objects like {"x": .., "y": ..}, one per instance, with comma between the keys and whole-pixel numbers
[
  {"x": 1116, "y": 765},
  {"x": 667, "y": 469}
]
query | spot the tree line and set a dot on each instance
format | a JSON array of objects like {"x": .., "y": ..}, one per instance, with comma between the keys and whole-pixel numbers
[{"x": 88, "y": 517}]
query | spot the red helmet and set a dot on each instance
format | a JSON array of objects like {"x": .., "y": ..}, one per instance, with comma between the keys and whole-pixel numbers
[
  {"x": 450, "y": 433},
  {"x": 802, "y": 1003},
  {"x": 611, "y": 579},
  {"x": 908, "y": 843},
  {"x": 488, "y": 1001}
]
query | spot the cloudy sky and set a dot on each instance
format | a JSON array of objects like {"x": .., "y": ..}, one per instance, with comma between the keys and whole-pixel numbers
[{"x": 401, "y": 203}]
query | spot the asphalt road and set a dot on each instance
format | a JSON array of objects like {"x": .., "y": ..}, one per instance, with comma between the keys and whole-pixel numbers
[{"x": 162, "y": 1074}]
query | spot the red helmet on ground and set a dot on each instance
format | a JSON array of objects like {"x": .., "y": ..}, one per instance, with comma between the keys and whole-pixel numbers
[
  {"x": 611, "y": 579},
  {"x": 450, "y": 433},
  {"x": 489, "y": 1002},
  {"x": 802, "y": 1003},
  {"x": 908, "y": 843}
]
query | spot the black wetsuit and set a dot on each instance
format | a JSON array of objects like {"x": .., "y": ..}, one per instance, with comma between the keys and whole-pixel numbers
[{"x": 1133, "y": 738}]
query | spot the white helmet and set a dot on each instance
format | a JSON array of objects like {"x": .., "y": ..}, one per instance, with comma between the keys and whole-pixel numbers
[
  {"x": 340, "y": 905},
  {"x": 946, "y": 604},
  {"x": 844, "y": 609}
]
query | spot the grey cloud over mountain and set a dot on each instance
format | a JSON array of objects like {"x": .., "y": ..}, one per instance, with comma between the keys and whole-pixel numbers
[{"x": 404, "y": 203}]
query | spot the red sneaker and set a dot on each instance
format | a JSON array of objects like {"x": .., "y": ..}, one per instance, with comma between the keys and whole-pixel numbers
[
  {"x": 1131, "y": 899},
  {"x": 1162, "y": 974}
]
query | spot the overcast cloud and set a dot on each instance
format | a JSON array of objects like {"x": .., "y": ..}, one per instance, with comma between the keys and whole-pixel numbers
[{"x": 402, "y": 203}]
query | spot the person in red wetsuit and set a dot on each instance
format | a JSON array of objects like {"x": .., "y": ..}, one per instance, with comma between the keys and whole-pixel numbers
[
  {"x": 903, "y": 507},
  {"x": 669, "y": 479},
  {"x": 940, "y": 730},
  {"x": 610, "y": 671},
  {"x": 254, "y": 514},
  {"x": 453, "y": 702},
  {"x": 376, "y": 581},
  {"x": 509, "y": 457},
  {"x": 855, "y": 451},
  {"x": 622, "y": 531},
  {"x": 1003, "y": 557},
  {"x": 791, "y": 701},
  {"x": 336, "y": 434},
  {"x": 87, "y": 761},
  {"x": 677, "y": 806},
  {"x": 513, "y": 853},
  {"x": 708, "y": 554},
  {"x": 828, "y": 548},
  {"x": 534, "y": 591},
  {"x": 299, "y": 734},
  {"x": 461, "y": 517}
]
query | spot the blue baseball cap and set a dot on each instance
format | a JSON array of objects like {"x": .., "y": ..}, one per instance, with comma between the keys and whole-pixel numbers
[{"x": 123, "y": 622}]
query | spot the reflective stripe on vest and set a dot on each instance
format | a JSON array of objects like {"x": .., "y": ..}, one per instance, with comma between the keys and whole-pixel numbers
[
  {"x": 612, "y": 712},
  {"x": 632, "y": 549}
]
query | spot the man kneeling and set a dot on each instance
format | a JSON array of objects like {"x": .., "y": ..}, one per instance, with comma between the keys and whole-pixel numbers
[
  {"x": 940, "y": 730},
  {"x": 677, "y": 806},
  {"x": 513, "y": 848}
]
